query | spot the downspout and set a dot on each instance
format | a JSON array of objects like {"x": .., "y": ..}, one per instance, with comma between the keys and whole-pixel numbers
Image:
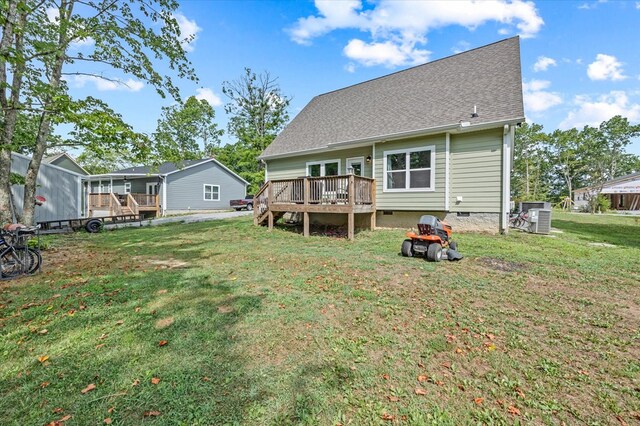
[
  {"x": 79, "y": 196},
  {"x": 507, "y": 140},
  {"x": 447, "y": 144},
  {"x": 164, "y": 195}
]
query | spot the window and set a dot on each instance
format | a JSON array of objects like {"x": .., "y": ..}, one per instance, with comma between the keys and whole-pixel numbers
[
  {"x": 211, "y": 192},
  {"x": 127, "y": 187},
  {"x": 409, "y": 169},
  {"x": 323, "y": 168}
]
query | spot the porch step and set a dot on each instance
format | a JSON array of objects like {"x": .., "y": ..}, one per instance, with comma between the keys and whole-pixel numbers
[{"x": 264, "y": 218}]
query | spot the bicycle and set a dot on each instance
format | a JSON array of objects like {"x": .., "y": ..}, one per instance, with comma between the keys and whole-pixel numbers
[
  {"x": 518, "y": 220},
  {"x": 16, "y": 257}
]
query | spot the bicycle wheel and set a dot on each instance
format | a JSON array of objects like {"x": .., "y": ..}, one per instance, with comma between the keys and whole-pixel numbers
[{"x": 19, "y": 260}]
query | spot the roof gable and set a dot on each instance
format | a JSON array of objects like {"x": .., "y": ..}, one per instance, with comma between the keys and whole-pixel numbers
[{"x": 436, "y": 94}]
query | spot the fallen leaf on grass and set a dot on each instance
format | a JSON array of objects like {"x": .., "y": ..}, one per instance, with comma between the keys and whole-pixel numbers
[
  {"x": 136, "y": 382},
  {"x": 439, "y": 382},
  {"x": 58, "y": 410},
  {"x": 44, "y": 331},
  {"x": 43, "y": 358},
  {"x": 520, "y": 393},
  {"x": 513, "y": 410},
  {"x": 137, "y": 309},
  {"x": 387, "y": 416},
  {"x": 420, "y": 391},
  {"x": 44, "y": 384},
  {"x": 478, "y": 401},
  {"x": 385, "y": 376},
  {"x": 104, "y": 336},
  {"x": 151, "y": 413},
  {"x": 155, "y": 380},
  {"x": 65, "y": 418},
  {"x": 110, "y": 410},
  {"x": 393, "y": 398},
  {"x": 163, "y": 291},
  {"x": 446, "y": 365},
  {"x": 89, "y": 388},
  {"x": 99, "y": 346},
  {"x": 422, "y": 378},
  {"x": 119, "y": 322},
  {"x": 107, "y": 421},
  {"x": 163, "y": 343}
]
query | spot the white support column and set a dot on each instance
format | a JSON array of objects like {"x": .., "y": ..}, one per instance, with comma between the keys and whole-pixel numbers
[
  {"x": 447, "y": 145},
  {"x": 164, "y": 195},
  {"x": 507, "y": 141}
]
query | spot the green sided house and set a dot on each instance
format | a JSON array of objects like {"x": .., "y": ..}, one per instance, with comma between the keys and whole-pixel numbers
[{"x": 433, "y": 139}]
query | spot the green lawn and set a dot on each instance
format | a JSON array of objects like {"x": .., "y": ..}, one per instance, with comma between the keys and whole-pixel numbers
[{"x": 273, "y": 328}]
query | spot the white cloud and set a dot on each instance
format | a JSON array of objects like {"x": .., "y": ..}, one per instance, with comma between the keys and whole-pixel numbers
[
  {"x": 350, "y": 67},
  {"x": 605, "y": 67},
  {"x": 207, "y": 94},
  {"x": 638, "y": 5},
  {"x": 398, "y": 28},
  {"x": 461, "y": 46},
  {"x": 536, "y": 98},
  {"x": 188, "y": 31},
  {"x": 592, "y": 112},
  {"x": 103, "y": 85},
  {"x": 386, "y": 53},
  {"x": 543, "y": 63}
]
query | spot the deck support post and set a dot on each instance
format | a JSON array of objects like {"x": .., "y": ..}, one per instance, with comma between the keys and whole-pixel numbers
[
  {"x": 350, "y": 225},
  {"x": 305, "y": 224},
  {"x": 270, "y": 220},
  {"x": 372, "y": 224}
]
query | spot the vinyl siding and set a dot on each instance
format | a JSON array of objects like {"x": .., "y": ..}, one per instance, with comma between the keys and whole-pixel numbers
[
  {"x": 65, "y": 163},
  {"x": 60, "y": 188},
  {"x": 411, "y": 200},
  {"x": 185, "y": 189},
  {"x": 294, "y": 167},
  {"x": 476, "y": 171}
]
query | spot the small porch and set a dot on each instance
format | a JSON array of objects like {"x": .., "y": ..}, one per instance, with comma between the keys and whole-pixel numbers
[
  {"x": 346, "y": 194},
  {"x": 114, "y": 204}
]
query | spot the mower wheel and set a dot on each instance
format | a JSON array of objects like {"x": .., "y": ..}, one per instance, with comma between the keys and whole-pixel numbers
[
  {"x": 434, "y": 252},
  {"x": 453, "y": 245},
  {"x": 407, "y": 248}
]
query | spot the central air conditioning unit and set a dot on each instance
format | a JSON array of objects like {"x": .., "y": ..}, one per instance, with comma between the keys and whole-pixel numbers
[{"x": 540, "y": 221}]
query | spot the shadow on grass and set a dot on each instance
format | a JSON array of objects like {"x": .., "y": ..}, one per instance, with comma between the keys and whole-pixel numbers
[
  {"x": 114, "y": 343},
  {"x": 620, "y": 235}
]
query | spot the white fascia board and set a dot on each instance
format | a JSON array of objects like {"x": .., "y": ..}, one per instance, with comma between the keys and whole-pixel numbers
[
  {"x": 452, "y": 128},
  {"x": 26, "y": 157}
]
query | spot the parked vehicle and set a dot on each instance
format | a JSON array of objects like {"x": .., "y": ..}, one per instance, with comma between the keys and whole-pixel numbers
[{"x": 245, "y": 203}]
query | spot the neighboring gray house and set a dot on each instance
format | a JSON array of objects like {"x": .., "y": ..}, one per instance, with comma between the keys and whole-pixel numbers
[
  {"x": 193, "y": 185},
  {"x": 65, "y": 161},
  {"x": 61, "y": 187},
  {"x": 433, "y": 139}
]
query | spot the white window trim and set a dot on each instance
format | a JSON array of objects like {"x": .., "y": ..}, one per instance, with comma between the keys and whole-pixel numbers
[
  {"x": 408, "y": 151},
  {"x": 204, "y": 192},
  {"x": 322, "y": 163},
  {"x": 127, "y": 187},
  {"x": 354, "y": 160}
]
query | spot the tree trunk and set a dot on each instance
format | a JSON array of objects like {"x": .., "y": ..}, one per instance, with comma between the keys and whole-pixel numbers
[
  {"x": 9, "y": 106},
  {"x": 28, "y": 203}
]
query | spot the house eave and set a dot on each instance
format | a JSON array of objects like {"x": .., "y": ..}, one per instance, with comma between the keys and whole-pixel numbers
[{"x": 450, "y": 128}]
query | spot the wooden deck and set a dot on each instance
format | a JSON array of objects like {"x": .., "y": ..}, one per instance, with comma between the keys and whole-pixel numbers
[
  {"x": 346, "y": 194},
  {"x": 112, "y": 204}
]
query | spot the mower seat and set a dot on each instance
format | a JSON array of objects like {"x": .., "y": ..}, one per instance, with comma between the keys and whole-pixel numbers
[{"x": 432, "y": 222}]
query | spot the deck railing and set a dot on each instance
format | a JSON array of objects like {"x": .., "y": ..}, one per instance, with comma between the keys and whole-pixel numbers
[
  {"x": 145, "y": 200},
  {"x": 347, "y": 189},
  {"x": 133, "y": 204}
]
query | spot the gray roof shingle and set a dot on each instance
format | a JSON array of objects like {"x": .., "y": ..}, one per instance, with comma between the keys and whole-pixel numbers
[
  {"x": 162, "y": 169},
  {"x": 438, "y": 93}
]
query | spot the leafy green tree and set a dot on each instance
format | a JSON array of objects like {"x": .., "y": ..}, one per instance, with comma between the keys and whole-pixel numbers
[
  {"x": 258, "y": 111},
  {"x": 568, "y": 159},
  {"x": 127, "y": 36},
  {"x": 530, "y": 178},
  {"x": 604, "y": 150},
  {"x": 186, "y": 131}
]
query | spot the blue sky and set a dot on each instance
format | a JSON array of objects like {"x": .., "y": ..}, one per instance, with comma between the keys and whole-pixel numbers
[{"x": 580, "y": 61}]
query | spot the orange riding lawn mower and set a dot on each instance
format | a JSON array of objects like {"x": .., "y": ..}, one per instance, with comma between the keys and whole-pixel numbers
[{"x": 432, "y": 241}]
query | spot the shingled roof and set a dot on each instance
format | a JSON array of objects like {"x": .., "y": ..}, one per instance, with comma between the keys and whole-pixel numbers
[{"x": 436, "y": 94}]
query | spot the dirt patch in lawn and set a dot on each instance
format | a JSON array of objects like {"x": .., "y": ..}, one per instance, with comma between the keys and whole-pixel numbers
[
  {"x": 164, "y": 322},
  {"x": 168, "y": 263},
  {"x": 225, "y": 309},
  {"x": 502, "y": 265}
]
